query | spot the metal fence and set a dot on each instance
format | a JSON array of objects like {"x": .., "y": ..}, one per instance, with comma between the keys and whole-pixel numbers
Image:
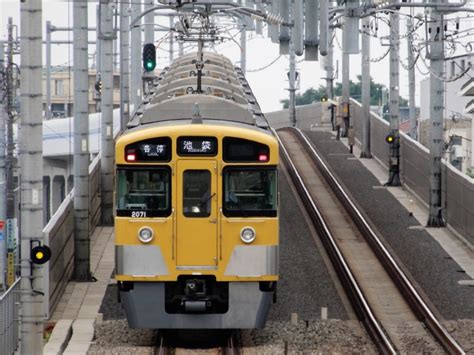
[{"x": 9, "y": 315}]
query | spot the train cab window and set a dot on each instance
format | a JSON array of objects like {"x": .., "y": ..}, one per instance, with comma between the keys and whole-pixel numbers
[
  {"x": 143, "y": 192},
  {"x": 250, "y": 192},
  {"x": 197, "y": 193}
]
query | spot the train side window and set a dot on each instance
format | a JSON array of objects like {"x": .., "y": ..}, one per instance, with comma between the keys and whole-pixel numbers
[{"x": 197, "y": 193}]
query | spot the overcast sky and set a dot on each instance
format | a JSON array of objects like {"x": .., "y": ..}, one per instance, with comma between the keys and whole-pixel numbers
[{"x": 268, "y": 85}]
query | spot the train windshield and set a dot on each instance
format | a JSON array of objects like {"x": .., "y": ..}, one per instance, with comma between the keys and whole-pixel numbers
[
  {"x": 250, "y": 192},
  {"x": 143, "y": 192}
]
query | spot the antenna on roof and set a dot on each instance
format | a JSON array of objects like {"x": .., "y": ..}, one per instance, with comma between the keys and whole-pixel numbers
[{"x": 196, "y": 114}]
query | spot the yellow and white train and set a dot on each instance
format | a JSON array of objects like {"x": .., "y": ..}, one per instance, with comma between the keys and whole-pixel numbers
[{"x": 196, "y": 226}]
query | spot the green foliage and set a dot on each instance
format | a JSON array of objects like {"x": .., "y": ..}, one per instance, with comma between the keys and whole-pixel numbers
[{"x": 312, "y": 95}]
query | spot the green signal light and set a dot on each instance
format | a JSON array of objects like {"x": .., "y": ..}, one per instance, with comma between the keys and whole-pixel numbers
[{"x": 150, "y": 65}]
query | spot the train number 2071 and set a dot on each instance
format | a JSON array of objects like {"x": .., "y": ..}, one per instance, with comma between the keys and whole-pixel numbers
[{"x": 138, "y": 214}]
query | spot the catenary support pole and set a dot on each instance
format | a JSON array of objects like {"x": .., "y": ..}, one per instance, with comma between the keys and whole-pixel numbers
[
  {"x": 124, "y": 63},
  {"x": 48, "y": 70},
  {"x": 345, "y": 92},
  {"x": 292, "y": 81},
  {"x": 411, "y": 80},
  {"x": 31, "y": 179},
  {"x": 436, "y": 50},
  {"x": 136, "y": 45},
  {"x": 107, "y": 139},
  {"x": 365, "y": 152},
  {"x": 329, "y": 67},
  {"x": 394, "y": 101},
  {"x": 171, "y": 39},
  {"x": 3, "y": 176},
  {"x": 81, "y": 144},
  {"x": 243, "y": 48},
  {"x": 98, "y": 55}
]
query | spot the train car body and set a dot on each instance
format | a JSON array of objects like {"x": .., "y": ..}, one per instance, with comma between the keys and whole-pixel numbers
[{"x": 196, "y": 226}]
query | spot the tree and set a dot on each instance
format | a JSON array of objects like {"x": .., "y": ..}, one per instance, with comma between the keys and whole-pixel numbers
[{"x": 355, "y": 89}]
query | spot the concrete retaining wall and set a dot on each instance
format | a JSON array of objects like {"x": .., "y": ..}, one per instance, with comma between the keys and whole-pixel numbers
[
  {"x": 457, "y": 189},
  {"x": 59, "y": 235},
  {"x": 307, "y": 116}
]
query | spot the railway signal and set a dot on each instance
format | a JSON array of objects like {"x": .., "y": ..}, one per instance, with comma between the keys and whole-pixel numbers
[
  {"x": 98, "y": 87},
  {"x": 40, "y": 254},
  {"x": 149, "y": 57},
  {"x": 390, "y": 138}
]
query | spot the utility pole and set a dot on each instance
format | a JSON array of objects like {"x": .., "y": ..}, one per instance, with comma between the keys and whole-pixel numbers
[
  {"x": 3, "y": 176},
  {"x": 124, "y": 64},
  {"x": 180, "y": 48},
  {"x": 394, "y": 104},
  {"x": 411, "y": 80},
  {"x": 81, "y": 144},
  {"x": 136, "y": 47},
  {"x": 292, "y": 89},
  {"x": 107, "y": 36},
  {"x": 10, "y": 186},
  {"x": 365, "y": 153},
  {"x": 436, "y": 56},
  {"x": 48, "y": 69},
  {"x": 31, "y": 181},
  {"x": 9, "y": 163}
]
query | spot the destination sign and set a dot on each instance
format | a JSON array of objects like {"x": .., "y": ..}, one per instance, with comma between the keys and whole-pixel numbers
[
  {"x": 155, "y": 149},
  {"x": 203, "y": 146}
]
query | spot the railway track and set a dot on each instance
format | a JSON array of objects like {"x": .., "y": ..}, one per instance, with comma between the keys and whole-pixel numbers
[
  {"x": 230, "y": 347},
  {"x": 383, "y": 297}
]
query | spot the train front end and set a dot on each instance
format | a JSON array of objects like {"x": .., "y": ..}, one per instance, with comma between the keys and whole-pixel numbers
[{"x": 196, "y": 227}]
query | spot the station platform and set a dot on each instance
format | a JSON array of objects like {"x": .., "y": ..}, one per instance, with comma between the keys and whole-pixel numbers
[
  {"x": 78, "y": 309},
  {"x": 440, "y": 261}
]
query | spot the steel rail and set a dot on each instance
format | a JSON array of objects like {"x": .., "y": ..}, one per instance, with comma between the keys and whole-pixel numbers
[
  {"x": 412, "y": 296},
  {"x": 357, "y": 297}
]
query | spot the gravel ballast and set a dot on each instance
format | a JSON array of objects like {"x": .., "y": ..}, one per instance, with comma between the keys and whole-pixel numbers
[{"x": 427, "y": 262}]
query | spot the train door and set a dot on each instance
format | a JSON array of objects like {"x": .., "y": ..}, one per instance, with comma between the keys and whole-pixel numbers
[{"x": 196, "y": 213}]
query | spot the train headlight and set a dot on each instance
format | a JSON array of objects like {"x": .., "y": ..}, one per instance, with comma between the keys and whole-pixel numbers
[
  {"x": 145, "y": 235},
  {"x": 247, "y": 234}
]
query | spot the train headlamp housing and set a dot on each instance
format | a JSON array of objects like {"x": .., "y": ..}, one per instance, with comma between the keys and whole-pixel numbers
[
  {"x": 248, "y": 235},
  {"x": 145, "y": 235}
]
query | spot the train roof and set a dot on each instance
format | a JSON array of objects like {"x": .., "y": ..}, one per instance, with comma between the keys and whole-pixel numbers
[
  {"x": 224, "y": 94},
  {"x": 207, "y": 124}
]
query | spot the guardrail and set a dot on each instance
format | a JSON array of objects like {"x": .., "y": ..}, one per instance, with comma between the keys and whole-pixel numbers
[{"x": 9, "y": 319}]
